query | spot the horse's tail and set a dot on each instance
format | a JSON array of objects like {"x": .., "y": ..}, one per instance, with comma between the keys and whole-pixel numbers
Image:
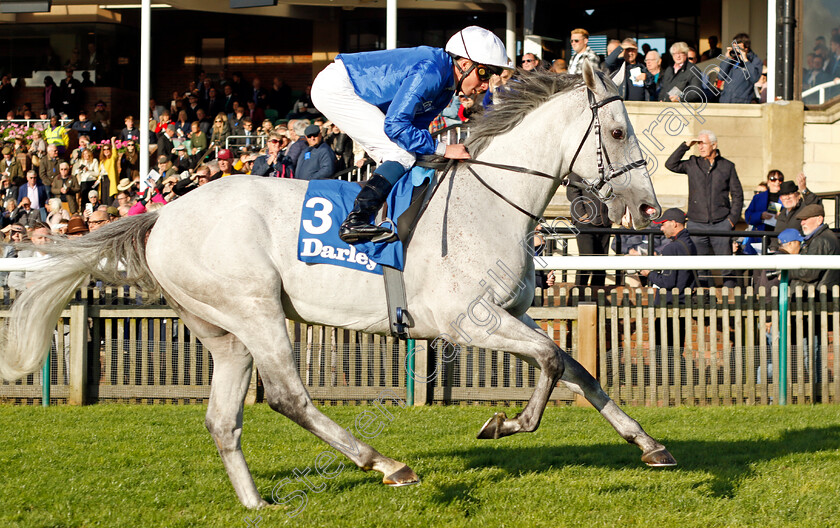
[{"x": 115, "y": 254}]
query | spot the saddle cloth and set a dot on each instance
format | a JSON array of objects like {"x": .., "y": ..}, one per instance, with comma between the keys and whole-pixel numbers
[{"x": 328, "y": 202}]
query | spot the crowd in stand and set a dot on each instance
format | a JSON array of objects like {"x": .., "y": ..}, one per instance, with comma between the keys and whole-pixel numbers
[{"x": 73, "y": 175}]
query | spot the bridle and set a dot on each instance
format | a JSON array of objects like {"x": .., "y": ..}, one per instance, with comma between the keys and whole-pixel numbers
[{"x": 600, "y": 188}]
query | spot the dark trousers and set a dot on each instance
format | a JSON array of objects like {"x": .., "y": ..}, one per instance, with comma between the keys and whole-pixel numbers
[
  {"x": 713, "y": 245},
  {"x": 592, "y": 244}
]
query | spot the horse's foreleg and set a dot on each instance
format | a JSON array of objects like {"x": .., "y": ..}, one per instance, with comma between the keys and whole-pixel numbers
[
  {"x": 231, "y": 377},
  {"x": 525, "y": 339},
  {"x": 286, "y": 394},
  {"x": 582, "y": 382}
]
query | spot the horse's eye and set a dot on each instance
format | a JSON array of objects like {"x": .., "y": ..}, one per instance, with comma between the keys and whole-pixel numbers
[{"x": 617, "y": 133}]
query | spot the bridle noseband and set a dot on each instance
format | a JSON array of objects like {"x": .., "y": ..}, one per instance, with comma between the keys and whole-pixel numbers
[{"x": 601, "y": 188}]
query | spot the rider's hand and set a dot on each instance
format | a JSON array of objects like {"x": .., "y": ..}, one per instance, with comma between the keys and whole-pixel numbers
[{"x": 456, "y": 151}]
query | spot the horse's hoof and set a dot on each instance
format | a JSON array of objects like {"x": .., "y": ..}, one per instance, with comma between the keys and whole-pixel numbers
[
  {"x": 492, "y": 428},
  {"x": 401, "y": 477},
  {"x": 659, "y": 458}
]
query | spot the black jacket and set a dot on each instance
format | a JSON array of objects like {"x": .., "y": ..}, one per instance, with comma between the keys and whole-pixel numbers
[
  {"x": 822, "y": 242},
  {"x": 682, "y": 80},
  {"x": 587, "y": 210},
  {"x": 709, "y": 187},
  {"x": 681, "y": 279},
  {"x": 787, "y": 219}
]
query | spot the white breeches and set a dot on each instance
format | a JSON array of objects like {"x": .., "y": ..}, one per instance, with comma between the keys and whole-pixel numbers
[{"x": 333, "y": 95}]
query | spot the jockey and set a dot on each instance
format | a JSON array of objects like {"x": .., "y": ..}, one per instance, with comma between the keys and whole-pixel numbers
[{"x": 385, "y": 100}]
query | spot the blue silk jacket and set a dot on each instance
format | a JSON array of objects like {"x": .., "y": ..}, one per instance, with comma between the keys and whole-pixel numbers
[{"x": 410, "y": 85}]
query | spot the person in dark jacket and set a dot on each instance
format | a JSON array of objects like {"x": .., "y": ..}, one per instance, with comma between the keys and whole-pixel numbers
[
  {"x": 677, "y": 83},
  {"x": 636, "y": 82},
  {"x": 317, "y": 162},
  {"x": 793, "y": 197},
  {"x": 819, "y": 240},
  {"x": 672, "y": 224},
  {"x": 740, "y": 70},
  {"x": 587, "y": 212},
  {"x": 715, "y": 195}
]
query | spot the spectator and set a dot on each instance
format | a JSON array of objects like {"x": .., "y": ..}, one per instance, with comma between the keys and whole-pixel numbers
[
  {"x": 162, "y": 123},
  {"x": 52, "y": 96},
  {"x": 108, "y": 167},
  {"x": 214, "y": 104},
  {"x": 236, "y": 121},
  {"x": 254, "y": 112},
  {"x": 98, "y": 219},
  {"x": 279, "y": 97},
  {"x": 86, "y": 172},
  {"x": 130, "y": 132},
  {"x": 713, "y": 52},
  {"x": 636, "y": 84},
  {"x": 588, "y": 212},
  {"x": 38, "y": 148},
  {"x": 199, "y": 178},
  {"x": 298, "y": 138},
  {"x": 653, "y": 63},
  {"x": 130, "y": 162},
  {"x": 225, "y": 159},
  {"x": 10, "y": 166},
  {"x": 740, "y": 72},
  {"x": 7, "y": 94},
  {"x": 198, "y": 142},
  {"x": 165, "y": 146},
  {"x": 530, "y": 62},
  {"x": 38, "y": 235},
  {"x": 71, "y": 92},
  {"x": 672, "y": 224},
  {"x": 271, "y": 163},
  {"x": 559, "y": 66},
  {"x": 182, "y": 124},
  {"x": 317, "y": 162},
  {"x": 819, "y": 240},
  {"x": 155, "y": 110},
  {"x": 76, "y": 227},
  {"x": 677, "y": 83},
  {"x": 7, "y": 190},
  {"x": 715, "y": 195},
  {"x": 34, "y": 190},
  {"x": 204, "y": 122},
  {"x": 221, "y": 131},
  {"x": 763, "y": 209},
  {"x": 84, "y": 144},
  {"x": 102, "y": 118},
  {"x": 165, "y": 168},
  {"x": 580, "y": 45},
  {"x": 342, "y": 145},
  {"x": 66, "y": 188},
  {"x": 817, "y": 75},
  {"x": 192, "y": 108},
  {"x": 691, "y": 56},
  {"x": 56, "y": 135},
  {"x": 228, "y": 100},
  {"x": 24, "y": 214},
  {"x": 793, "y": 197},
  {"x": 55, "y": 213}
]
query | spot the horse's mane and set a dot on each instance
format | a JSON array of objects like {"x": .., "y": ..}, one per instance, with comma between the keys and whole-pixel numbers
[{"x": 520, "y": 96}]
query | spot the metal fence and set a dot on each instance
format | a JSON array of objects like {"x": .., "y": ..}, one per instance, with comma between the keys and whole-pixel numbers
[{"x": 109, "y": 347}]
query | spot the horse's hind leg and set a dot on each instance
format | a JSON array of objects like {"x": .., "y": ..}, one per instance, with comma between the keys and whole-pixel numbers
[
  {"x": 581, "y": 382},
  {"x": 286, "y": 394},
  {"x": 231, "y": 378}
]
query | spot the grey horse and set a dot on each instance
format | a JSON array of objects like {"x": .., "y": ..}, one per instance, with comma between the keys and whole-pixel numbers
[{"x": 234, "y": 277}]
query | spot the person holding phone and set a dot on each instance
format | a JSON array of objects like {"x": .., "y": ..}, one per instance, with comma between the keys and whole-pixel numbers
[{"x": 740, "y": 70}]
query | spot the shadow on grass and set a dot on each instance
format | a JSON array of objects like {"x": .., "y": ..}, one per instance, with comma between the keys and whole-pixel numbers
[{"x": 730, "y": 462}]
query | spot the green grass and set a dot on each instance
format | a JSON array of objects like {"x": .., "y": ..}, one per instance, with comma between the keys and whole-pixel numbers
[{"x": 138, "y": 466}]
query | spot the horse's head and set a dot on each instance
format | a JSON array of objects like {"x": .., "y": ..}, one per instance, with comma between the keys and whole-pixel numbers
[{"x": 608, "y": 157}]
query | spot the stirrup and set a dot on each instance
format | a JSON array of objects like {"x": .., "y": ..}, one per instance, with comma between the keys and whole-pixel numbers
[{"x": 367, "y": 233}]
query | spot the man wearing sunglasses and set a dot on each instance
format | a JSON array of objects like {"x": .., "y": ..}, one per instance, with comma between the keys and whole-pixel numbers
[
  {"x": 385, "y": 101},
  {"x": 317, "y": 162},
  {"x": 580, "y": 45}
]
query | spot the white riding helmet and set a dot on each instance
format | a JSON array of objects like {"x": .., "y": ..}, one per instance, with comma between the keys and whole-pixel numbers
[{"x": 480, "y": 46}]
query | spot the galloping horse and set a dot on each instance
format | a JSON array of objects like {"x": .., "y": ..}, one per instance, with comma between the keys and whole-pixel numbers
[{"x": 234, "y": 278}]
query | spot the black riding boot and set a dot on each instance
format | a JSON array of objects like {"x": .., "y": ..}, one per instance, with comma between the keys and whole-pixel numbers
[{"x": 357, "y": 227}]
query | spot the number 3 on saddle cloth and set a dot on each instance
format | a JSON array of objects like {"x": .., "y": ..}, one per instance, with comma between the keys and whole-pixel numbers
[{"x": 328, "y": 202}]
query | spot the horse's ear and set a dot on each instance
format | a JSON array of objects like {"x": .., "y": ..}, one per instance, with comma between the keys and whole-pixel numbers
[{"x": 588, "y": 75}]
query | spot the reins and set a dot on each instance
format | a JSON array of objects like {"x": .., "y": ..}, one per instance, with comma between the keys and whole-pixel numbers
[{"x": 600, "y": 188}]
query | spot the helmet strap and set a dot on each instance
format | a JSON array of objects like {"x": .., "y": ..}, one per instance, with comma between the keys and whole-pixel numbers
[{"x": 464, "y": 74}]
